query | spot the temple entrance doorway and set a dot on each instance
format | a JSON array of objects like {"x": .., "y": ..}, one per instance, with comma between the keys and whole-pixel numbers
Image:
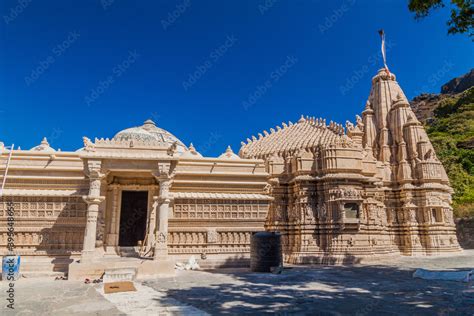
[{"x": 133, "y": 217}]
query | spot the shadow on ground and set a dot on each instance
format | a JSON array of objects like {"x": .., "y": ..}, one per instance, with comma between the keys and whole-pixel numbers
[{"x": 318, "y": 290}]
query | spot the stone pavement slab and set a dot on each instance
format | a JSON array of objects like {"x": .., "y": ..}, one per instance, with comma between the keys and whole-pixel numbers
[
  {"x": 44, "y": 296},
  {"x": 383, "y": 288},
  {"x": 147, "y": 301}
]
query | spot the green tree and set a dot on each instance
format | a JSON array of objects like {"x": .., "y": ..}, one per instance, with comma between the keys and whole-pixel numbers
[
  {"x": 461, "y": 13},
  {"x": 452, "y": 135}
]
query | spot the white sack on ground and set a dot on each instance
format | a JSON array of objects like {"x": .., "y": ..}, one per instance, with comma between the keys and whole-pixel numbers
[
  {"x": 191, "y": 265},
  {"x": 460, "y": 276}
]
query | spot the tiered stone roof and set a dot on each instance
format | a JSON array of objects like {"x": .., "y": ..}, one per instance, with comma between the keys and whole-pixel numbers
[{"x": 308, "y": 132}]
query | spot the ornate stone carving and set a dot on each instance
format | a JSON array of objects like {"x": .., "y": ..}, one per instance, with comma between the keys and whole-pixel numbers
[
  {"x": 349, "y": 126},
  {"x": 345, "y": 193},
  {"x": 351, "y": 241},
  {"x": 448, "y": 216},
  {"x": 88, "y": 144},
  {"x": 161, "y": 238},
  {"x": 173, "y": 149},
  {"x": 268, "y": 189},
  {"x": 360, "y": 123},
  {"x": 211, "y": 236}
]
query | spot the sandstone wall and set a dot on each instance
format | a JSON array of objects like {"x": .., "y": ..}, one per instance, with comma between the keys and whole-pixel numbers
[
  {"x": 218, "y": 230},
  {"x": 44, "y": 225}
]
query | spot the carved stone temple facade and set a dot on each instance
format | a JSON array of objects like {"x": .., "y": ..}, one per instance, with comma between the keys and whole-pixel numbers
[
  {"x": 372, "y": 188},
  {"x": 336, "y": 194}
]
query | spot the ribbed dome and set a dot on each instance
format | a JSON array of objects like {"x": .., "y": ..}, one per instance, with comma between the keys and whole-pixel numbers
[
  {"x": 229, "y": 154},
  {"x": 150, "y": 132},
  {"x": 43, "y": 146}
]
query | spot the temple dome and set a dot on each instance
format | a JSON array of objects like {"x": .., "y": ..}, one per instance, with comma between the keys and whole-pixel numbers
[
  {"x": 191, "y": 153},
  {"x": 43, "y": 146},
  {"x": 152, "y": 133},
  {"x": 229, "y": 154}
]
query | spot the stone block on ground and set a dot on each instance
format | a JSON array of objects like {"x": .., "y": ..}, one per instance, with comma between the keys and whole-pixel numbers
[{"x": 156, "y": 268}]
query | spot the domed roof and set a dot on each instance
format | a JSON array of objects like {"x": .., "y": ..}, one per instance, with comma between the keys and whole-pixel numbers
[
  {"x": 43, "y": 146},
  {"x": 191, "y": 153},
  {"x": 229, "y": 154},
  {"x": 150, "y": 132}
]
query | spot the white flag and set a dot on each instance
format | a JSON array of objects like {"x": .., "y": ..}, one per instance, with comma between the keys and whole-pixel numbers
[{"x": 384, "y": 53}]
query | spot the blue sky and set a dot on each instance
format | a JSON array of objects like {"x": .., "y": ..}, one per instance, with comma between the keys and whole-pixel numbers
[{"x": 211, "y": 72}]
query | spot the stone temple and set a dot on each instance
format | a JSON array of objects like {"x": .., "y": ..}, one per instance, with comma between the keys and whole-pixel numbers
[{"x": 337, "y": 194}]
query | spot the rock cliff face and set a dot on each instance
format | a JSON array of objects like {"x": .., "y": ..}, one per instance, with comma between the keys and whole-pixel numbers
[
  {"x": 459, "y": 84},
  {"x": 425, "y": 104}
]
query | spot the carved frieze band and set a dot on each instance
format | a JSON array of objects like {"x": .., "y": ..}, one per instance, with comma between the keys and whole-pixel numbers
[{"x": 220, "y": 209}]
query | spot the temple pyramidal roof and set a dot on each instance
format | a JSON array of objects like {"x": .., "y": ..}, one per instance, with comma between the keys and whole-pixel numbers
[{"x": 306, "y": 133}]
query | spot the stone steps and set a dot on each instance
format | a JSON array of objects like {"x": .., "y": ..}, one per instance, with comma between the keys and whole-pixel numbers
[
  {"x": 129, "y": 252},
  {"x": 44, "y": 267},
  {"x": 41, "y": 274}
]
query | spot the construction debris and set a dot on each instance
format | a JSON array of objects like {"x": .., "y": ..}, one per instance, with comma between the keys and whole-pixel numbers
[{"x": 191, "y": 265}]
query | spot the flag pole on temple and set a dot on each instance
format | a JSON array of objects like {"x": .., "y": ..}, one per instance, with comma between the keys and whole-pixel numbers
[{"x": 384, "y": 53}]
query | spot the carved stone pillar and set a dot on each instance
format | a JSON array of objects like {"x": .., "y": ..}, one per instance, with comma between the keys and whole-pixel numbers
[
  {"x": 163, "y": 201},
  {"x": 152, "y": 220},
  {"x": 93, "y": 200},
  {"x": 112, "y": 237}
]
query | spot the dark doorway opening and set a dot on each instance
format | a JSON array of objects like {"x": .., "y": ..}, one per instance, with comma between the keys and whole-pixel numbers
[{"x": 133, "y": 216}]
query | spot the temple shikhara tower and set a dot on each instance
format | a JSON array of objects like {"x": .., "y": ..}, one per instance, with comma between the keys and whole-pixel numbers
[
  {"x": 372, "y": 188},
  {"x": 337, "y": 193}
]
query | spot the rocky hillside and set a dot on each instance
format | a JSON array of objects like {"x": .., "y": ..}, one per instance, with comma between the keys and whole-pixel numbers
[
  {"x": 425, "y": 104},
  {"x": 449, "y": 120},
  {"x": 459, "y": 84}
]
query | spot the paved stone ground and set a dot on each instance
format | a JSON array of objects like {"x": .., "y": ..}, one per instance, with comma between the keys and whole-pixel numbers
[
  {"x": 43, "y": 296},
  {"x": 386, "y": 287}
]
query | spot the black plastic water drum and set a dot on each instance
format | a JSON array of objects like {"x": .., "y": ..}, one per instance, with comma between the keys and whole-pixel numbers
[{"x": 265, "y": 251}]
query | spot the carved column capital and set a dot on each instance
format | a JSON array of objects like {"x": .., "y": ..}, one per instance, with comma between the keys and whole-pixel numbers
[
  {"x": 162, "y": 200},
  {"x": 93, "y": 199},
  {"x": 93, "y": 169},
  {"x": 97, "y": 174},
  {"x": 165, "y": 171}
]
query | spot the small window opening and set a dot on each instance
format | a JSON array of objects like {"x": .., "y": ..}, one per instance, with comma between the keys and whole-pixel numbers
[{"x": 351, "y": 210}]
